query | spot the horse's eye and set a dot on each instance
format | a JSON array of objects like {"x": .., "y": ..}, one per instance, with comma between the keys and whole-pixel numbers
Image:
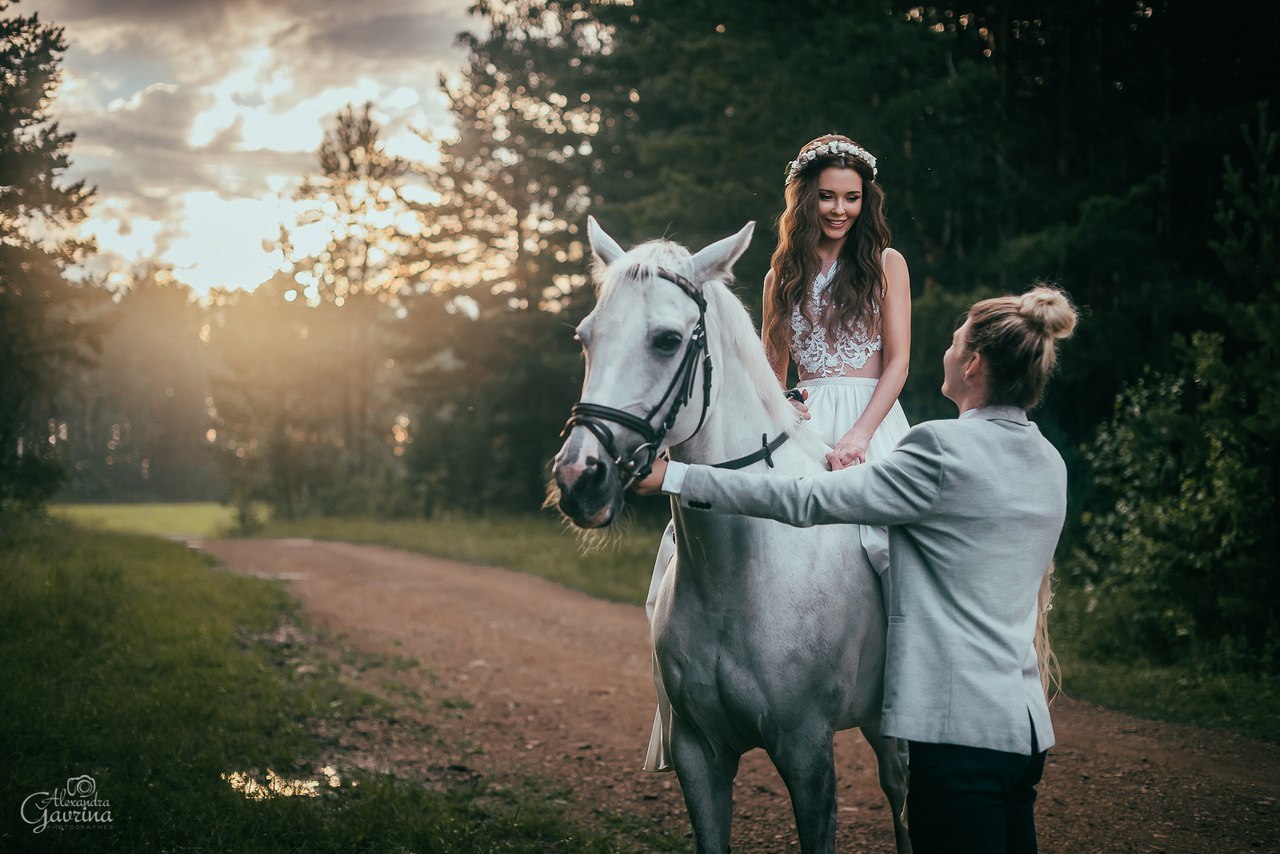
[{"x": 667, "y": 342}]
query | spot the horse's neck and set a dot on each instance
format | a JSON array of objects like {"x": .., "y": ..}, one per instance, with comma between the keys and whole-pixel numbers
[
  {"x": 747, "y": 408},
  {"x": 736, "y": 424}
]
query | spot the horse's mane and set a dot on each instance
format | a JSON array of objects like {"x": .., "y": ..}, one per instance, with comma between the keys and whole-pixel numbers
[{"x": 734, "y": 335}]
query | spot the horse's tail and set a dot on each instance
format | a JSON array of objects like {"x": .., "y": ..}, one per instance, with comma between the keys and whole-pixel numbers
[{"x": 1050, "y": 670}]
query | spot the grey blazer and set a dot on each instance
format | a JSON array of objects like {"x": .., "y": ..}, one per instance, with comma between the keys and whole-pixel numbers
[{"x": 974, "y": 507}]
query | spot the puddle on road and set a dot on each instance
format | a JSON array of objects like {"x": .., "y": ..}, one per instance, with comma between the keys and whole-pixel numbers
[{"x": 248, "y": 784}]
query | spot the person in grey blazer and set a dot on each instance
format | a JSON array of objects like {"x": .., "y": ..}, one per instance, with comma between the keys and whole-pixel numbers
[{"x": 974, "y": 506}]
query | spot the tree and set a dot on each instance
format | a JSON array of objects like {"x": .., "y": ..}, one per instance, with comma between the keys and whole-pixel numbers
[
  {"x": 277, "y": 433},
  {"x": 1047, "y": 139},
  {"x": 323, "y": 430},
  {"x": 370, "y": 248},
  {"x": 133, "y": 426},
  {"x": 513, "y": 184},
  {"x": 491, "y": 395},
  {"x": 1181, "y": 546},
  {"x": 41, "y": 335},
  {"x": 494, "y": 367},
  {"x": 1051, "y": 140},
  {"x": 366, "y": 233}
]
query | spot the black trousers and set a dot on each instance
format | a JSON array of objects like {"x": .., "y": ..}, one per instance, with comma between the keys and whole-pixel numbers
[{"x": 970, "y": 799}]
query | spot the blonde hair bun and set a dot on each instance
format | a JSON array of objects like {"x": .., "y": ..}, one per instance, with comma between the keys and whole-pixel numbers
[{"x": 1050, "y": 310}]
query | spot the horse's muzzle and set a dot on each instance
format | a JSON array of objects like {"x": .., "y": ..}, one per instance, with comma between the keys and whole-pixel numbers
[{"x": 590, "y": 491}]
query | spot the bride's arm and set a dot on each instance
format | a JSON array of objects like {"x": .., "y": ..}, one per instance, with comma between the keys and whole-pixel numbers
[{"x": 895, "y": 330}]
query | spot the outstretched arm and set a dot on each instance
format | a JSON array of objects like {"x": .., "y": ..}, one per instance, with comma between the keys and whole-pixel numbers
[{"x": 900, "y": 488}]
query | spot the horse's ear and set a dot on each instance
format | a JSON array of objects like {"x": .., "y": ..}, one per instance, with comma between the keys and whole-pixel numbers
[
  {"x": 717, "y": 259},
  {"x": 605, "y": 247}
]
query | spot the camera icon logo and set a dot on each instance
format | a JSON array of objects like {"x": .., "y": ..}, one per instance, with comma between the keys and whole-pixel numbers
[{"x": 81, "y": 787}]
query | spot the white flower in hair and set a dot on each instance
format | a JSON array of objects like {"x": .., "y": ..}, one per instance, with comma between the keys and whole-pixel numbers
[{"x": 834, "y": 147}]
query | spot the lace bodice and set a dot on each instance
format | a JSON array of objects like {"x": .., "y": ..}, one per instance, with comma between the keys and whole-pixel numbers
[{"x": 817, "y": 355}]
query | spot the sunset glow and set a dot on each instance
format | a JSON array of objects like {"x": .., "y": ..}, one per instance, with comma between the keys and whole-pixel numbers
[{"x": 197, "y": 122}]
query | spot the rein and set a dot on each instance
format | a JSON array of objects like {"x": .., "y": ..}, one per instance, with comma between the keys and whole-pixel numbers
[
  {"x": 765, "y": 453},
  {"x": 594, "y": 416}
]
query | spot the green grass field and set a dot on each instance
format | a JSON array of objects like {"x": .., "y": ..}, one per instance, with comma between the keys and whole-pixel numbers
[
  {"x": 1244, "y": 703},
  {"x": 135, "y": 662},
  {"x": 205, "y": 519}
]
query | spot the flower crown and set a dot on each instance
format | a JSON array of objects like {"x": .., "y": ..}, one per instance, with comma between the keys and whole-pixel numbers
[{"x": 832, "y": 148}]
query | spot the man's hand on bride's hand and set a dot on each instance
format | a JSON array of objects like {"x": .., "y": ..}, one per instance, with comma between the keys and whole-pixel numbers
[
  {"x": 850, "y": 451},
  {"x": 651, "y": 484}
]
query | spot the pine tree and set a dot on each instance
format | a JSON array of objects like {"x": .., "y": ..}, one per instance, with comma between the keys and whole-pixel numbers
[
  {"x": 496, "y": 374},
  {"x": 374, "y": 250},
  {"x": 41, "y": 335},
  {"x": 514, "y": 183}
]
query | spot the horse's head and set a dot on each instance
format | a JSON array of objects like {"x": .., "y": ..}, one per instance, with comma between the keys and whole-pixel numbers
[{"x": 648, "y": 369}]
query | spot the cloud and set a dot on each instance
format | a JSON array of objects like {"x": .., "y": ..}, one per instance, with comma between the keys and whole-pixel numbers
[
  {"x": 206, "y": 257},
  {"x": 393, "y": 36},
  {"x": 195, "y": 119}
]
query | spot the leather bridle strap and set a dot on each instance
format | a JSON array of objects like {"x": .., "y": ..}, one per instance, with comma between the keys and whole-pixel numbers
[
  {"x": 765, "y": 453},
  {"x": 594, "y": 416}
]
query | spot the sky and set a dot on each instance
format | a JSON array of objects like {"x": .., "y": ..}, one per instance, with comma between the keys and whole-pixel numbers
[{"x": 197, "y": 119}]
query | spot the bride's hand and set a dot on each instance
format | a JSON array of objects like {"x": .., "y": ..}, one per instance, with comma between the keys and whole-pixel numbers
[
  {"x": 798, "y": 396},
  {"x": 850, "y": 451}
]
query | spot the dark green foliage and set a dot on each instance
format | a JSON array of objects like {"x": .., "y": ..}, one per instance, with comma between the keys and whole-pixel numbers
[
  {"x": 1181, "y": 546},
  {"x": 1176, "y": 551},
  {"x": 491, "y": 408},
  {"x": 133, "y": 426},
  {"x": 42, "y": 335},
  {"x": 493, "y": 362}
]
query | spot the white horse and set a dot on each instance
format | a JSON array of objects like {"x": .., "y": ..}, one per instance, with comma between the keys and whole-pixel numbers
[{"x": 765, "y": 635}]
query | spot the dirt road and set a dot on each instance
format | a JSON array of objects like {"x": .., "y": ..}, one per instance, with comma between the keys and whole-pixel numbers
[{"x": 559, "y": 686}]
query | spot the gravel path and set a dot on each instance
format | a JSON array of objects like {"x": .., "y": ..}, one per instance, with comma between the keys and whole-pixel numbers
[{"x": 559, "y": 685}]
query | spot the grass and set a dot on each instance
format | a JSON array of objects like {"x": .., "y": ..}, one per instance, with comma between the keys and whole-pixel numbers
[
  {"x": 133, "y": 661},
  {"x": 202, "y": 519},
  {"x": 617, "y": 570},
  {"x": 1247, "y": 704}
]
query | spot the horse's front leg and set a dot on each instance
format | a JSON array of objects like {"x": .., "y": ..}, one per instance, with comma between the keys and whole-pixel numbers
[
  {"x": 805, "y": 759},
  {"x": 891, "y": 763},
  {"x": 706, "y": 775}
]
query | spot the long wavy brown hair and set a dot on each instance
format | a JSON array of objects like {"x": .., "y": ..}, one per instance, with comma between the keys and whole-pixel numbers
[{"x": 859, "y": 283}]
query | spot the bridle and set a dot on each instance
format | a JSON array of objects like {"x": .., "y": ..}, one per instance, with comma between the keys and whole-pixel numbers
[
  {"x": 595, "y": 417},
  {"x": 679, "y": 391}
]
